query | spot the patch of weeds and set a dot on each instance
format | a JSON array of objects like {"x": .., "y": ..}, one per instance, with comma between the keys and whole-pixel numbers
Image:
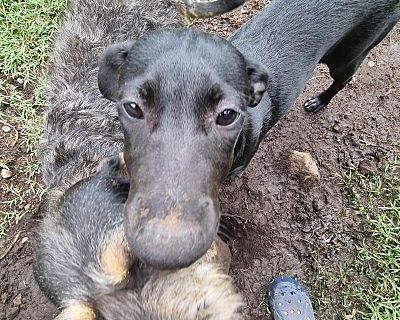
[
  {"x": 26, "y": 114},
  {"x": 8, "y": 218},
  {"x": 15, "y": 196},
  {"x": 371, "y": 283},
  {"x": 33, "y": 188},
  {"x": 18, "y": 199},
  {"x": 27, "y": 30}
]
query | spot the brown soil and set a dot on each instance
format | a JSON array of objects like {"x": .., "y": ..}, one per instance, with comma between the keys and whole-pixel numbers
[{"x": 285, "y": 225}]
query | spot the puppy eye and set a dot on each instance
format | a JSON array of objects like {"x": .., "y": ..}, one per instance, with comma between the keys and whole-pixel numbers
[
  {"x": 227, "y": 117},
  {"x": 133, "y": 110}
]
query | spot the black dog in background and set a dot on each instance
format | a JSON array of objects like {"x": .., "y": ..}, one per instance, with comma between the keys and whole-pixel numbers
[{"x": 289, "y": 38}]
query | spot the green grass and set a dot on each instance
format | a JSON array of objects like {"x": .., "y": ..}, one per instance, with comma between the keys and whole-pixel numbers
[
  {"x": 27, "y": 30},
  {"x": 371, "y": 283},
  {"x": 26, "y": 112}
]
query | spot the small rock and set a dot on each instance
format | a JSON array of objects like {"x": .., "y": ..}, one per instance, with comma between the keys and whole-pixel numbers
[
  {"x": 12, "y": 313},
  {"x": 6, "y": 174},
  {"x": 367, "y": 167},
  {"x": 256, "y": 287},
  {"x": 24, "y": 239},
  {"x": 336, "y": 128},
  {"x": 371, "y": 63},
  {"x": 318, "y": 204},
  {"x": 22, "y": 285},
  {"x": 6, "y": 129},
  {"x": 4, "y": 297},
  {"x": 27, "y": 207},
  {"x": 302, "y": 164},
  {"x": 20, "y": 80},
  {"x": 17, "y": 301},
  {"x": 257, "y": 263}
]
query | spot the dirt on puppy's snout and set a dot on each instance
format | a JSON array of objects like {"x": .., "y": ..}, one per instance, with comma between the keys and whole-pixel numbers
[{"x": 170, "y": 221}]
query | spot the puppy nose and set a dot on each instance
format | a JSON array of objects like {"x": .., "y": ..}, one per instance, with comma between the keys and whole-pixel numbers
[{"x": 170, "y": 235}]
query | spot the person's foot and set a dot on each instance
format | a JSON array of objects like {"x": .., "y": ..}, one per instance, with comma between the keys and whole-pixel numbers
[{"x": 288, "y": 300}]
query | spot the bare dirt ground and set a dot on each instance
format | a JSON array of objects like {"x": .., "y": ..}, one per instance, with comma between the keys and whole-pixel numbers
[{"x": 285, "y": 226}]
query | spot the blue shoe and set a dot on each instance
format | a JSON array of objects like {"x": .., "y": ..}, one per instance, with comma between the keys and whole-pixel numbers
[{"x": 288, "y": 300}]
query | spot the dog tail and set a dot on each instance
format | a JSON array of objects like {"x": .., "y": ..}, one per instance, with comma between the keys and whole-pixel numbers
[{"x": 80, "y": 126}]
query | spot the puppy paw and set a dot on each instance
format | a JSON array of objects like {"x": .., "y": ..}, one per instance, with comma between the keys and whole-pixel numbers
[{"x": 314, "y": 104}]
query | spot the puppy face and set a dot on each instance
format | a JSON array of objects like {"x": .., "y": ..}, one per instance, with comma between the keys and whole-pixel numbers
[{"x": 182, "y": 98}]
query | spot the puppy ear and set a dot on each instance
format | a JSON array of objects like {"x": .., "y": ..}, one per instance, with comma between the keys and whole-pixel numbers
[
  {"x": 258, "y": 78},
  {"x": 110, "y": 65}
]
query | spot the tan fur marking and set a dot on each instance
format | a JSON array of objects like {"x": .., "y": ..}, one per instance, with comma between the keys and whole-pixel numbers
[
  {"x": 115, "y": 257},
  {"x": 171, "y": 221},
  {"x": 77, "y": 310}
]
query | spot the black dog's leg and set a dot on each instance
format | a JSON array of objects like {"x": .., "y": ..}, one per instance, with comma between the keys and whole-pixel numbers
[
  {"x": 318, "y": 102},
  {"x": 341, "y": 76},
  {"x": 342, "y": 67}
]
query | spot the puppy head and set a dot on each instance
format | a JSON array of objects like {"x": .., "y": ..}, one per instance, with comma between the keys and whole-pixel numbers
[{"x": 182, "y": 97}]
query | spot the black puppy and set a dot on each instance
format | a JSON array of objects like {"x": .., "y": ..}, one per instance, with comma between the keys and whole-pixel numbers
[
  {"x": 84, "y": 266},
  {"x": 183, "y": 97}
]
